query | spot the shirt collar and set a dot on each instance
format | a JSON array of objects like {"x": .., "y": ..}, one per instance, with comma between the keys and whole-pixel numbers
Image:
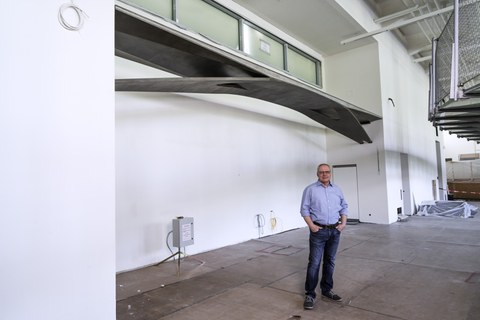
[{"x": 322, "y": 185}]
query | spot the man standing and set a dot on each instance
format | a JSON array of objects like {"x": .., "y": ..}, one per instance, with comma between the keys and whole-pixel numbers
[{"x": 325, "y": 211}]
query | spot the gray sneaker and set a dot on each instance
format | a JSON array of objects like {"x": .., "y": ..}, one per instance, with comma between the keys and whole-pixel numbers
[
  {"x": 333, "y": 296},
  {"x": 309, "y": 302}
]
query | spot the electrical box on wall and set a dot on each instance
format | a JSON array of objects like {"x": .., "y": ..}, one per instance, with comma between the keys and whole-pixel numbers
[{"x": 182, "y": 231}]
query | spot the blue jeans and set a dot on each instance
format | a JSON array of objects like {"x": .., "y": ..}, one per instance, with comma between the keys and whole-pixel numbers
[{"x": 324, "y": 243}]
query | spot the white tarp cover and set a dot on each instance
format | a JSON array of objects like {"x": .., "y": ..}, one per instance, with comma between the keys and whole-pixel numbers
[{"x": 447, "y": 209}]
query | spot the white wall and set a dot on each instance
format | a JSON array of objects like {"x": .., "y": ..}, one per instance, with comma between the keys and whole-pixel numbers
[
  {"x": 406, "y": 126},
  {"x": 206, "y": 158},
  {"x": 368, "y": 76},
  {"x": 223, "y": 159},
  {"x": 57, "y": 163},
  {"x": 359, "y": 83},
  {"x": 455, "y": 146}
]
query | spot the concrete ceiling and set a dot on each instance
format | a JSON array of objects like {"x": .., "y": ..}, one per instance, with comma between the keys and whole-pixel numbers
[{"x": 323, "y": 24}]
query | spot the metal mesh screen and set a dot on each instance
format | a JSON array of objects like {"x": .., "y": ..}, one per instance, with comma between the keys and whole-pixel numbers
[
  {"x": 443, "y": 61},
  {"x": 469, "y": 42},
  {"x": 468, "y": 50}
]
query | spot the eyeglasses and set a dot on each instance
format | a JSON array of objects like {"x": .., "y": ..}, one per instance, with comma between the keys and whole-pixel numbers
[{"x": 324, "y": 172}]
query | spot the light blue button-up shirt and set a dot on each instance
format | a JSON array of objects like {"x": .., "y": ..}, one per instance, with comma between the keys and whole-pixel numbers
[{"x": 324, "y": 204}]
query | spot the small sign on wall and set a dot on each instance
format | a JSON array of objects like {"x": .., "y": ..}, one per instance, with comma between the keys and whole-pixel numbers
[{"x": 264, "y": 46}]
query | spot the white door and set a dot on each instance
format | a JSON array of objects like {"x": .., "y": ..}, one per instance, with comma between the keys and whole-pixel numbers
[
  {"x": 405, "y": 192},
  {"x": 441, "y": 186},
  {"x": 345, "y": 176}
]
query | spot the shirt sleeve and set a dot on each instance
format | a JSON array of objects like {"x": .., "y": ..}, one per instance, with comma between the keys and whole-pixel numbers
[
  {"x": 343, "y": 204},
  {"x": 305, "y": 205}
]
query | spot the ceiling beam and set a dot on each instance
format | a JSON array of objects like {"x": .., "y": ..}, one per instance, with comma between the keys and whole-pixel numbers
[
  {"x": 398, "y": 24},
  {"x": 460, "y": 108},
  {"x": 426, "y": 58},
  {"x": 424, "y": 48},
  {"x": 451, "y": 126},
  {"x": 460, "y": 129},
  {"x": 455, "y": 122},
  {"x": 470, "y": 133},
  {"x": 458, "y": 117},
  {"x": 399, "y": 14},
  {"x": 464, "y": 131}
]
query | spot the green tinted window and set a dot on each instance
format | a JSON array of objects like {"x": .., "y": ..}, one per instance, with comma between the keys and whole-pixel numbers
[
  {"x": 301, "y": 66},
  {"x": 208, "y": 21},
  {"x": 262, "y": 47},
  {"x": 162, "y": 8},
  {"x": 222, "y": 26}
]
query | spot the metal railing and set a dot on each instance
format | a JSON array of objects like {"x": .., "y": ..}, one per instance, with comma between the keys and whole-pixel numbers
[{"x": 456, "y": 55}]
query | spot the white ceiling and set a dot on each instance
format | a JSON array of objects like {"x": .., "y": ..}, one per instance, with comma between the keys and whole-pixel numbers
[{"x": 323, "y": 24}]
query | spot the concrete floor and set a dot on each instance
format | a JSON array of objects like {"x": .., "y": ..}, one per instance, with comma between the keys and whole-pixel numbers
[{"x": 423, "y": 268}]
